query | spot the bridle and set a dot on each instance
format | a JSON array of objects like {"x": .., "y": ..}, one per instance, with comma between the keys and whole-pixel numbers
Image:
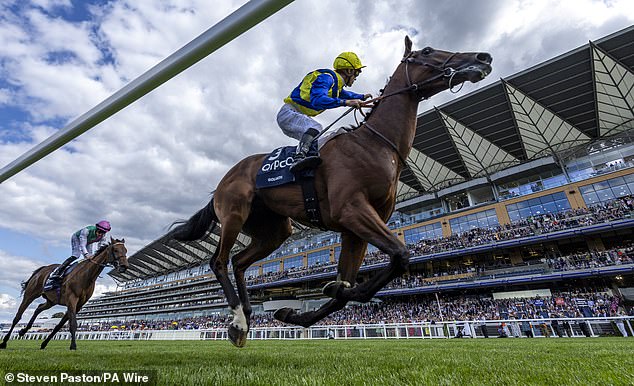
[
  {"x": 443, "y": 71},
  {"x": 115, "y": 259}
]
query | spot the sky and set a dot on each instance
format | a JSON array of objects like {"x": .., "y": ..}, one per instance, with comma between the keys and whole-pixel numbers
[{"x": 157, "y": 160}]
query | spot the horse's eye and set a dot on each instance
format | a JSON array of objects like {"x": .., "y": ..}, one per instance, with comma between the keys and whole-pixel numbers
[{"x": 427, "y": 51}]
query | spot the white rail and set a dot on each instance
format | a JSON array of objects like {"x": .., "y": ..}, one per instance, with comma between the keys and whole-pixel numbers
[{"x": 569, "y": 327}]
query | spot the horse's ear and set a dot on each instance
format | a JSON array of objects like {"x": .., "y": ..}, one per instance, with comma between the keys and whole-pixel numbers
[
  {"x": 123, "y": 241},
  {"x": 408, "y": 46}
]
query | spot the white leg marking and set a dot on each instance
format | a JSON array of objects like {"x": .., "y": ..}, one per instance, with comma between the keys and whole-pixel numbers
[{"x": 239, "y": 319}]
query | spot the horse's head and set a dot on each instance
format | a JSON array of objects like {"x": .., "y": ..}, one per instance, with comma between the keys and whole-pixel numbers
[
  {"x": 430, "y": 71},
  {"x": 117, "y": 256}
]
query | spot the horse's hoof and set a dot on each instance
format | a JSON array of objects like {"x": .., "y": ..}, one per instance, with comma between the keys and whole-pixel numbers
[
  {"x": 73, "y": 348},
  {"x": 283, "y": 314},
  {"x": 237, "y": 337},
  {"x": 3, "y": 345},
  {"x": 43, "y": 346},
  {"x": 333, "y": 288}
]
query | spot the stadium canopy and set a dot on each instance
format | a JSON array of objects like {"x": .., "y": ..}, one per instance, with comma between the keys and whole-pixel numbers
[{"x": 570, "y": 100}]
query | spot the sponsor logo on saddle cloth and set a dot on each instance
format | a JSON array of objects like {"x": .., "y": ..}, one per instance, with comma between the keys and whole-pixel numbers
[{"x": 275, "y": 168}]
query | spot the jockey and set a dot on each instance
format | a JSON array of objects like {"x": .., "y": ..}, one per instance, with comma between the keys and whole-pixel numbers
[
  {"x": 318, "y": 91},
  {"x": 82, "y": 242}
]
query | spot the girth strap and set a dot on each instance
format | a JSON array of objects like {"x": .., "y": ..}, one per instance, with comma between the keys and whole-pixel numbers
[{"x": 311, "y": 203}]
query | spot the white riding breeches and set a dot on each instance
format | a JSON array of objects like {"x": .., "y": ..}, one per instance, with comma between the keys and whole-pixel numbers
[{"x": 295, "y": 124}]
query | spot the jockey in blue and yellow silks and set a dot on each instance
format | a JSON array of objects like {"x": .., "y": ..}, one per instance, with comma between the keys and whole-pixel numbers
[{"x": 318, "y": 91}]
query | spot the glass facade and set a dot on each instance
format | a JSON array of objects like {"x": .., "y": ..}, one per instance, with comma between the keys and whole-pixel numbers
[
  {"x": 252, "y": 272},
  {"x": 318, "y": 257},
  {"x": 552, "y": 203},
  {"x": 294, "y": 262},
  {"x": 270, "y": 267},
  {"x": 484, "y": 219},
  {"x": 425, "y": 232},
  {"x": 607, "y": 190}
]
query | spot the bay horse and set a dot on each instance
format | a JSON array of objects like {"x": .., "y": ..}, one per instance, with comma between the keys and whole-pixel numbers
[
  {"x": 355, "y": 185},
  {"x": 75, "y": 290}
]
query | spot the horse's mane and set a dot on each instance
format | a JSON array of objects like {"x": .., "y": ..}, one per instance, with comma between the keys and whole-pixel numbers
[{"x": 101, "y": 248}]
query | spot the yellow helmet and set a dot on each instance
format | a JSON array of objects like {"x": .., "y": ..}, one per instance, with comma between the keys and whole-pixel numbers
[{"x": 347, "y": 60}]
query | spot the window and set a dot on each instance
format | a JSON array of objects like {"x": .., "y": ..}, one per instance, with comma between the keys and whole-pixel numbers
[
  {"x": 271, "y": 267},
  {"x": 607, "y": 190},
  {"x": 484, "y": 219},
  {"x": 294, "y": 262},
  {"x": 552, "y": 203},
  {"x": 319, "y": 257},
  {"x": 425, "y": 232},
  {"x": 252, "y": 272}
]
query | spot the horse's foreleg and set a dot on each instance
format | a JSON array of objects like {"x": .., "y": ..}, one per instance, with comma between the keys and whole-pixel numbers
[
  {"x": 72, "y": 324},
  {"x": 351, "y": 256},
  {"x": 55, "y": 330},
  {"x": 307, "y": 319},
  {"x": 362, "y": 219},
  {"x": 38, "y": 310},
  {"x": 26, "y": 301},
  {"x": 353, "y": 251}
]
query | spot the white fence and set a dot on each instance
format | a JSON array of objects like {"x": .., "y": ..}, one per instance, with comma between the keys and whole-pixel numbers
[{"x": 573, "y": 327}]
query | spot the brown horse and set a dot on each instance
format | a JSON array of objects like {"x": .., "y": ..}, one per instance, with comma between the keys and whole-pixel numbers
[
  {"x": 356, "y": 188},
  {"x": 76, "y": 288}
]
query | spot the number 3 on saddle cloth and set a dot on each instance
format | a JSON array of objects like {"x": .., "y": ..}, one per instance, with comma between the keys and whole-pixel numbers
[{"x": 275, "y": 171}]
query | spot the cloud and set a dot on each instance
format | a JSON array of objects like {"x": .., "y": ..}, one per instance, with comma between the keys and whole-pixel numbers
[
  {"x": 17, "y": 269},
  {"x": 7, "y": 303},
  {"x": 157, "y": 160}
]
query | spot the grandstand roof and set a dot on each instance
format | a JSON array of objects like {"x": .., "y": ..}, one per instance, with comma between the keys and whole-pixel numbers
[
  {"x": 569, "y": 100},
  {"x": 575, "y": 98}
]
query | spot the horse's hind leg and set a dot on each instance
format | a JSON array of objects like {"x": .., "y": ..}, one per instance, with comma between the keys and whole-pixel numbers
[
  {"x": 38, "y": 310},
  {"x": 233, "y": 211},
  {"x": 268, "y": 231},
  {"x": 26, "y": 301}
]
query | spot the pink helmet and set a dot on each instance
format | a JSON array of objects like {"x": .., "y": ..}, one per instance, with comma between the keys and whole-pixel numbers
[{"x": 103, "y": 225}]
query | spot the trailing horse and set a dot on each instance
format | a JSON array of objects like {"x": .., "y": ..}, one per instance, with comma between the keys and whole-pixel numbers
[
  {"x": 75, "y": 290},
  {"x": 355, "y": 187}
]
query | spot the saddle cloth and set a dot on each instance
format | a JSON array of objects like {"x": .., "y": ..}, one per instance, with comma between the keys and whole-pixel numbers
[
  {"x": 275, "y": 169},
  {"x": 51, "y": 284}
]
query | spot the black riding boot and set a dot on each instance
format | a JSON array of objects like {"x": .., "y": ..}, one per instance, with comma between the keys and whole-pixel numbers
[
  {"x": 56, "y": 275},
  {"x": 302, "y": 160}
]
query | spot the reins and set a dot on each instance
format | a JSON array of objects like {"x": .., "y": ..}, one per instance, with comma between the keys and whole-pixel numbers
[
  {"x": 444, "y": 71},
  {"x": 103, "y": 265}
]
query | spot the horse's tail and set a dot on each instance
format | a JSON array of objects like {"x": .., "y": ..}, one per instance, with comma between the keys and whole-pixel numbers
[
  {"x": 26, "y": 282},
  {"x": 197, "y": 226}
]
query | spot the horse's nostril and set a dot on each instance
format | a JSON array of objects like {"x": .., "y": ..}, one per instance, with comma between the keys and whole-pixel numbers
[{"x": 484, "y": 57}]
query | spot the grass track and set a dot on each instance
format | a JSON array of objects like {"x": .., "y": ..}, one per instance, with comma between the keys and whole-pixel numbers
[{"x": 595, "y": 361}]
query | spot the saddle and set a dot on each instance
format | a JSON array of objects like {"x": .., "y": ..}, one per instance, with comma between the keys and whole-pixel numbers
[
  {"x": 50, "y": 284},
  {"x": 275, "y": 171}
]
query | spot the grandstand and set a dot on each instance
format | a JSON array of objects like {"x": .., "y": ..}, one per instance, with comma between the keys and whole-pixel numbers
[{"x": 523, "y": 189}]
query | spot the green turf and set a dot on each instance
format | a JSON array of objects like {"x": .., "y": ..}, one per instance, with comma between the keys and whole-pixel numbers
[{"x": 592, "y": 361}]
